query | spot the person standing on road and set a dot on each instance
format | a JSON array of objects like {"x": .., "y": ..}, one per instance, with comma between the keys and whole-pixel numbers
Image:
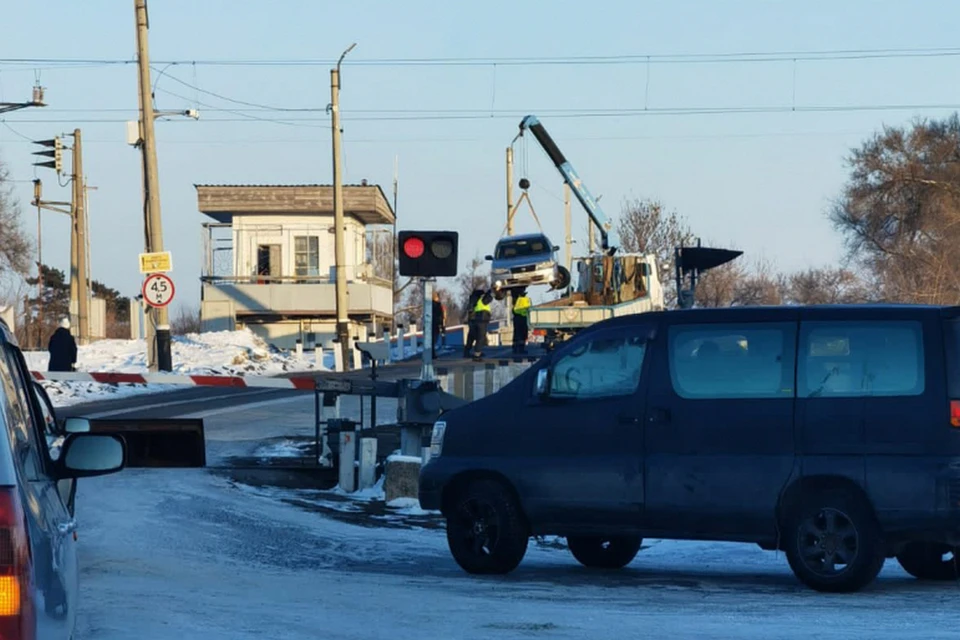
[
  {"x": 471, "y": 325},
  {"x": 438, "y": 320},
  {"x": 481, "y": 318},
  {"x": 521, "y": 327},
  {"x": 62, "y": 348}
]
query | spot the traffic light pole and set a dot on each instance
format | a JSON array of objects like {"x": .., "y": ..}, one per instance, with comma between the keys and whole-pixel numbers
[
  {"x": 427, "y": 372},
  {"x": 158, "y": 321},
  {"x": 343, "y": 321}
]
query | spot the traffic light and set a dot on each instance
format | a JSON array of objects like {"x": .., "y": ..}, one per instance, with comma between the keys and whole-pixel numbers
[
  {"x": 56, "y": 152},
  {"x": 428, "y": 254}
]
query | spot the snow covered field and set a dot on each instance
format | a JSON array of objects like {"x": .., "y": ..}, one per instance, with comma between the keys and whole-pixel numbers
[
  {"x": 190, "y": 554},
  {"x": 215, "y": 353}
]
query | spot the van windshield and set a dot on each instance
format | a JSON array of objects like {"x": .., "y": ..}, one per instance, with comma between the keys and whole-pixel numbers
[{"x": 522, "y": 248}]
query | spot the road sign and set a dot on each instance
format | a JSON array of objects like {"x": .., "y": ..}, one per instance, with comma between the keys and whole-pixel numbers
[
  {"x": 159, "y": 262},
  {"x": 158, "y": 290}
]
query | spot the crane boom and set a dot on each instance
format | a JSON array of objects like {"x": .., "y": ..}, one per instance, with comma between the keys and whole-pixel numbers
[{"x": 599, "y": 218}]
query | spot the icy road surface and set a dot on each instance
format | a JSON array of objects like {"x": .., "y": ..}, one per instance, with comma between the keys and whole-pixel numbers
[{"x": 182, "y": 554}]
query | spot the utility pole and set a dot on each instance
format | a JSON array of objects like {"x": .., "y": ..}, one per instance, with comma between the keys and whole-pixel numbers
[
  {"x": 36, "y": 199},
  {"x": 567, "y": 227},
  {"x": 79, "y": 280},
  {"x": 343, "y": 327},
  {"x": 510, "y": 211},
  {"x": 158, "y": 322}
]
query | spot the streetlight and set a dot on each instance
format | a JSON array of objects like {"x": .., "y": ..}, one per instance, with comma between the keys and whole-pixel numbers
[{"x": 343, "y": 329}]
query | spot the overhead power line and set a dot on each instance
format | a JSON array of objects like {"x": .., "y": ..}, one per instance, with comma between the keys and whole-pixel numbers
[
  {"x": 636, "y": 58},
  {"x": 427, "y": 115}
]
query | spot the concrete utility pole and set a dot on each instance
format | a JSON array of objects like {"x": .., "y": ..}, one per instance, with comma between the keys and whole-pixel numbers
[
  {"x": 158, "y": 321},
  {"x": 568, "y": 228},
  {"x": 343, "y": 326},
  {"x": 510, "y": 191},
  {"x": 79, "y": 280}
]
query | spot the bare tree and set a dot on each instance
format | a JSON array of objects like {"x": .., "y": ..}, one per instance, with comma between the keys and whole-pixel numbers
[
  {"x": 645, "y": 226},
  {"x": 760, "y": 285},
  {"x": 187, "y": 321},
  {"x": 900, "y": 211},
  {"x": 827, "y": 286},
  {"x": 16, "y": 249}
]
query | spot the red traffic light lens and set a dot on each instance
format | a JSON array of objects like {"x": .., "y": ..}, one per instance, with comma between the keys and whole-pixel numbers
[{"x": 413, "y": 247}]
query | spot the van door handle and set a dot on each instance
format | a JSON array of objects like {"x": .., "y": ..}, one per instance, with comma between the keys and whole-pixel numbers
[
  {"x": 67, "y": 527},
  {"x": 659, "y": 415}
]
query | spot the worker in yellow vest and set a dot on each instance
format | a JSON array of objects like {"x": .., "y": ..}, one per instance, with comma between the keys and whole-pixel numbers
[
  {"x": 521, "y": 317},
  {"x": 480, "y": 321}
]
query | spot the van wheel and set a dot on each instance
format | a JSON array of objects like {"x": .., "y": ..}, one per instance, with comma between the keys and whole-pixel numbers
[
  {"x": 486, "y": 531},
  {"x": 833, "y": 543},
  {"x": 928, "y": 561},
  {"x": 563, "y": 278},
  {"x": 597, "y": 552}
]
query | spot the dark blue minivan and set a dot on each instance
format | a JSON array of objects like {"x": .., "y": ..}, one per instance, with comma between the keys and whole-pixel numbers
[{"x": 831, "y": 433}]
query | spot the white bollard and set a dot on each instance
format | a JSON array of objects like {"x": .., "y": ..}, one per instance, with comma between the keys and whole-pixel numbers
[
  {"x": 401, "y": 344},
  {"x": 337, "y": 359},
  {"x": 348, "y": 456},
  {"x": 368, "y": 462},
  {"x": 425, "y": 455},
  {"x": 299, "y": 349},
  {"x": 318, "y": 356}
]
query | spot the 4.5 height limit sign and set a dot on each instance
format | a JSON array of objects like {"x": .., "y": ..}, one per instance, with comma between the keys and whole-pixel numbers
[{"x": 158, "y": 290}]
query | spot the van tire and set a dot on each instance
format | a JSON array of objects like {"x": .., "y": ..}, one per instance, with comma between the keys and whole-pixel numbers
[
  {"x": 824, "y": 524},
  {"x": 924, "y": 561},
  {"x": 486, "y": 530},
  {"x": 612, "y": 552}
]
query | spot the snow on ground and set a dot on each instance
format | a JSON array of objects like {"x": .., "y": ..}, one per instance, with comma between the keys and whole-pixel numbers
[{"x": 239, "y": 353}]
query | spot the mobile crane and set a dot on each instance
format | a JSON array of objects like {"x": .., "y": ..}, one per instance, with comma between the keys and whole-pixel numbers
[{"x": 609, "y": 286}]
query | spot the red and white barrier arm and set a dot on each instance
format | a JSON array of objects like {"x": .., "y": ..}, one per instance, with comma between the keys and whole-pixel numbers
[{"x": 302, "y": 383}]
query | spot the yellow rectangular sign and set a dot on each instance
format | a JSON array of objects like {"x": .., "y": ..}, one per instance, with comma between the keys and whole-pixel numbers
[{"x": 160, "y": 262}]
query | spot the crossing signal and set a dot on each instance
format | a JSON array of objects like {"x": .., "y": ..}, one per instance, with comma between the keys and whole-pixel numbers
[
  {"x": 428, "y": 254},
  {"x": 55, "y": 152}
]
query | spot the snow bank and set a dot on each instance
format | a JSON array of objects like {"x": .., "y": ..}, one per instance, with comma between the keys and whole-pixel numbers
[{"x": 237, "y": 353}]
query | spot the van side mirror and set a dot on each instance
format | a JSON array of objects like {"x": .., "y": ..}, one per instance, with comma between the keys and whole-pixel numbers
[
  {"x": 488, "y": 257},
  {"x": 541, "y": 384}
]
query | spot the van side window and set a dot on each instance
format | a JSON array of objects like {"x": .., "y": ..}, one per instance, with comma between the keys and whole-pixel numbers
[
  {"x": 732, "y": 360},
  {"x": 855, "y": 359},
  {"x": 608, "y": 365}
]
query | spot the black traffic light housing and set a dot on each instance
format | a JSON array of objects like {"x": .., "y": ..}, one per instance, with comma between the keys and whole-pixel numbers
[
  {"x": 56, "y": 152},
  {"x": 428, "y": 254}
]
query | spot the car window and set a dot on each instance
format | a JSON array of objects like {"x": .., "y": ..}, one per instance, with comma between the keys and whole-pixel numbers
[
  {"x": 29, "y": 448},
  {"x": 607, "y": 365},
  {"x": 522, "y": 248},
  {"x": 852, "y": 359},
  {"x": 732, "y": 360}
]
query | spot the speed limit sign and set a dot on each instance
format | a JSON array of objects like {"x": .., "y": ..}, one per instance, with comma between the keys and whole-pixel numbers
[{"x": 158, "y": 290}]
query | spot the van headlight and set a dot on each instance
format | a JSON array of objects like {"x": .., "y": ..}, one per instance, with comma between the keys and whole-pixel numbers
[
  {"x": 544, "y": 265},
  {"x": 436, "y": 439}
]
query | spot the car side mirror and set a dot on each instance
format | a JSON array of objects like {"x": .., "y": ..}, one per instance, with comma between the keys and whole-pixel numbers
[
  {"x": 76, "y": 425},
  {"x": 488, "y": 257},
  {"x": 542, "y": 381},
  {"x": 91, "y": 454},
  {"x": 556, "y": 248}
]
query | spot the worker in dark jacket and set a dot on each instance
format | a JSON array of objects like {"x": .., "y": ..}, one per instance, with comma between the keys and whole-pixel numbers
[
  {"x": 521, "y": 314},
  {"x": 62, "y": 348},
  {"x": 471, "y": 325},
  {"x": 439, "y": 321},
  {"x": 481, "y": 319}
]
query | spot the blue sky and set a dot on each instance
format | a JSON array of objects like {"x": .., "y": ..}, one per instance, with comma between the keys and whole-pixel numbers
[{"x": 761, "y": 181}]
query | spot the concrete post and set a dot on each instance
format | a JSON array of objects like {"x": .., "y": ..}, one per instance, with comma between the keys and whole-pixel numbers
[
  {"x": 337, "y": 360},
  {"x": 410, "y": 441},
  {"x": 318, "y": 356},
  {"x": 299, "y": 349},
  {"x": 469, "y": 392},
  {"x": 386, "y": 339},
  {"x": 425, "y": 455},
  {"x": 368, "y": 463},
  {"x": 348, "y": 456},
  {"x": 401, "y": 343}
]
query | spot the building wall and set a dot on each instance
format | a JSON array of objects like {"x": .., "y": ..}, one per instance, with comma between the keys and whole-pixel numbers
[{"x": 251, "y": 231}]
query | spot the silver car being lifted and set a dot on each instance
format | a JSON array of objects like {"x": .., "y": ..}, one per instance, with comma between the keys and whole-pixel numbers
[{"x": 524, "y": 260}]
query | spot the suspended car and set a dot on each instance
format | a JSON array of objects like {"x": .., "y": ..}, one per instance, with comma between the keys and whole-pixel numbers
[{"x": 524, "y": 260}]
